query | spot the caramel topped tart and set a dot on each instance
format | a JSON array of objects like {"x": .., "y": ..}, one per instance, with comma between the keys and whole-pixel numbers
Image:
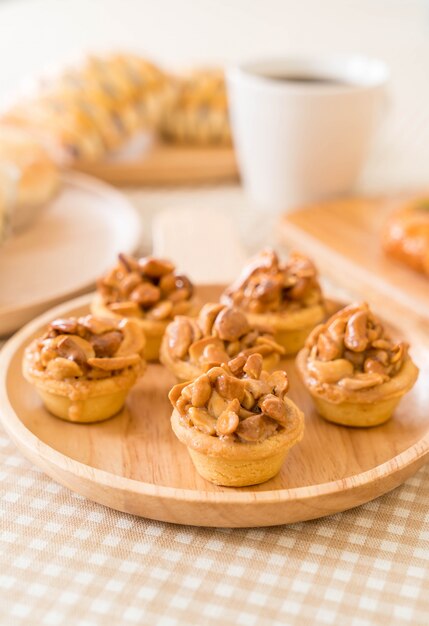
[
  {"x": 236, "y": 402},
  {"x": 353, "y": 351},
  {"x": 146, "y": 288},
  {"x": 88, "y": 348},
  {"x": 219, "y": 333},
  {"x": 268, "y": 285}
]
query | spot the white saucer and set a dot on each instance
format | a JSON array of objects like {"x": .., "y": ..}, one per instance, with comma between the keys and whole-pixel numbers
[{"x": 76, "y": 238}]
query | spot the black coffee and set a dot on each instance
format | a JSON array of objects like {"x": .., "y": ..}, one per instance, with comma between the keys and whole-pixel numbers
[{"x": 307, "y": 79}]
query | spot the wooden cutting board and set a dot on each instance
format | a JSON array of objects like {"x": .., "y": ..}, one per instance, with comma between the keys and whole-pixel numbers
[
  {"x": 343, "y": 237},
  {"x": 165, "y": 164}
]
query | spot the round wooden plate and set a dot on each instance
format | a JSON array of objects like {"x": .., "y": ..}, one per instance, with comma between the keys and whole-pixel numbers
[{"x": 134, "y": 463}]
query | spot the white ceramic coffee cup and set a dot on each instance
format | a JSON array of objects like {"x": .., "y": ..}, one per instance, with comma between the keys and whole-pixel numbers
[{"x": 302, "y": 141}]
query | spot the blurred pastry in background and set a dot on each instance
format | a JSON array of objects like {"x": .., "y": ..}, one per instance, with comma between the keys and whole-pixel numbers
[
  {"x": 28, "y": 179},
  {"x": 406, "y": 235},
  {"x": 67, "y": 134},
  {"x": 7, "y": 200},
  {"x": 85, "y": 111},
  {"x": 199, "y": 113},
  {"x": 283, "y": 296}
]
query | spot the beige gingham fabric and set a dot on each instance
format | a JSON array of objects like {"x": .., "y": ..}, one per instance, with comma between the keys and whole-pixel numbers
[{"x": 67, "y": 561}]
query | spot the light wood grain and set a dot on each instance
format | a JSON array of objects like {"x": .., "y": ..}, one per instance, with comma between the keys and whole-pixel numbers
[
  {"x": 165, "y": 164},
  {"x": 343, "y": 236},
  {"x": 134, "y": 463}
]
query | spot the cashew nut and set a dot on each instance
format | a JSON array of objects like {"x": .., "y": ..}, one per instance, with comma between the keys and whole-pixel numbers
[{"x": 356, "y": 337}]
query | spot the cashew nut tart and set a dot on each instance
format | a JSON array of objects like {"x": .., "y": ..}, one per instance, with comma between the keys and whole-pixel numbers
[
  {"x": 83, "y": 368},
  {"x": 284, "y": 296},
  {"x": 199, "y": 112},
  {"x": 147, "y": 290},
  {"x": 353, "y": 370},
  {"x": 236, "y": 421},
  {"x": 219, "y": 333}
]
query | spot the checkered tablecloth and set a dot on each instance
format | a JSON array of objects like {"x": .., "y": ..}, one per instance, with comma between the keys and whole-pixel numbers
[{"x": 68, "y": 561}]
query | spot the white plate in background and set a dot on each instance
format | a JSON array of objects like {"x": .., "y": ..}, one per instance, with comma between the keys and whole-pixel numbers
[{"x": 76, "y": 238}]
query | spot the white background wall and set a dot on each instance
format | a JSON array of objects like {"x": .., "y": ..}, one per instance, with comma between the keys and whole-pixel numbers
[{"x": 34, "y": 32}]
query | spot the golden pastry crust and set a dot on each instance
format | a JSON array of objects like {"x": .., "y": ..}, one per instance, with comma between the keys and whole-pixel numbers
[
  {"x": 226, "y": 449},
  {"x": 220, "y": 333},
  {"x": 83, "y": 401},
  {"x": 355, "y": 373},
  {"x": 406, "y": 235},
  {"x": 199, "y": 112},
  {"x": 284, "y": 296},
  {"x": 84, "y": 367},
  {"x": 236, "y": 421},
  {"x": 149, "y": 291}
]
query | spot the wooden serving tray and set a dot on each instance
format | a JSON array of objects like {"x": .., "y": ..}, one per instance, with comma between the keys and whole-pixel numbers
[
  {"x": 134, "y": 463},
  {"x": 165, "y": 164},
  {"x": 343, "y": 237}
]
